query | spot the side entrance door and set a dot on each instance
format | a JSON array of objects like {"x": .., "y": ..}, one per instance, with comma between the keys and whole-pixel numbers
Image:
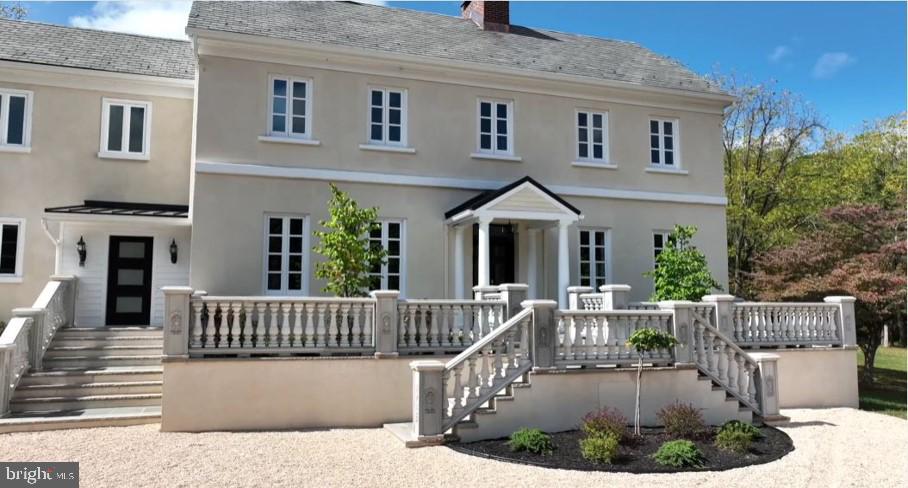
[{"x": 129, "y": 280}]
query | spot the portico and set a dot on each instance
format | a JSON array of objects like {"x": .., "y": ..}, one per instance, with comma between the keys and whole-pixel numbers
[{"x": 524, "y": 204}]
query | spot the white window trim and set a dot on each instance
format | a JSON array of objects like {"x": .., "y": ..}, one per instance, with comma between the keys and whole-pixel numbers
[
  {"x": 510, "y": 154},
  {"x": 105, "y": 125},
  {"x": 17, "y": 275},
  {"x": 285, "y": 250},
  {"x": 288, "y": 136},
  {"x": 590, "y": 161},
  {"x": 664, "y": 234},
  {"x": 661, "y": 167},
  {"x": 404, "y": 126},
  {"x": 26, "y": 145},
  {"x": 608, "y": 254},
  {"x": 403, "y": 253}
]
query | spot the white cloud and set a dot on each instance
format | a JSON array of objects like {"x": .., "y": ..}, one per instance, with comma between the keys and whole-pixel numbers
[
  {"x": 151, "y": 18},
  {"x": 779, "y": 53},
  {"x": 831, "y": 63}
]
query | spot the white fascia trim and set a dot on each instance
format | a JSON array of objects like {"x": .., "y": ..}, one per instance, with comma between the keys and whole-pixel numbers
[
  {"x": 268, "y": 171},
  {"x": 116, "y": 219},
  {"x": 86, "y": 79},
  {"x": 239, "y": 46}
]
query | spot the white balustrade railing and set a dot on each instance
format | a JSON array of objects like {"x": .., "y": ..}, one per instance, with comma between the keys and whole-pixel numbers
[
  {"x": 473, "y": 377},
  {"x": 441, "y": 325},
  {"x": 643, "y": 306},
  {"x": 14, "y": 357},
  {"x": 591, "y": 301},
  {"x": 588, "y": 337},
  {"x": 780, "y": 324},
  {"x": 718, "y": 357},
  {"x": 264, "y": 325}
]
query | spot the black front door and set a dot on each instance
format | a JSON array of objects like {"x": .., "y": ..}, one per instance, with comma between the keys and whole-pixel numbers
[
  {"x": 129, "y": 280},
  {"x": 501, "y": 254}
]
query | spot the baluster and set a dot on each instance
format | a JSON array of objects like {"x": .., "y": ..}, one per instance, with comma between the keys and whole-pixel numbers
[
  {"x": 332, "y": 325},
  {"x": 524, "y": 341},
  {"x": 698, "y": 340},
  {"x": 567, "y": 323},
  {"x": 472, "y": 380},
  {"x": 458, "y": 326},
  {"x": 709, "y": 340},
  {"x": 246, "y": 330},
  {"x": 259, "y": 332},
  {"x": 310, "y": 325},
  {"x": 739, "y": 319},
  {"x": 458, "y": 389},
  {"x": 320, "y": 330},
  {"x": 509, "y": 347},
  {"x": 210, "y": 326},
  {"x": 751, "y": 385},
  {"x": 447, "y": 326},
  {"x": 423, "y": 325},
  {"x": 721, "y": 361},
  {"x": 197, "y": 307},
  {"x": 742, "y": 375},
  {"x": 273, "y": 307},
  {"x": 498, "y": 370},
  {"x": 345, "y": 339},
  {"x": 732, "y": 368},
  {"x": 237, "y": 329},
  {"x": 485, "y": 314},
  {"x": 434, "y": 338},
  {"x": 368, "y": 325},
  {"x": 284, "y": 329},
  {"x": 601, "y": 348},
  {"x": 356, "y": 331},
  {"x": 411, "y": 330},
  {"x": 475, "y": 323},
  {"x": 484, "y": 368},
  {"x": 297, "y": 334}
]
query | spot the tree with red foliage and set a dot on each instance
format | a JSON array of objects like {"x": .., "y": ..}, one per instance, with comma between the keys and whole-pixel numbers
[{"x": 856, "y": 250}]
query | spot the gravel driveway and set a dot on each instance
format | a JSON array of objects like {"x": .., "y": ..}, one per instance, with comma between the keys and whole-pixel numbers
[{"x": 834, "y": 447}]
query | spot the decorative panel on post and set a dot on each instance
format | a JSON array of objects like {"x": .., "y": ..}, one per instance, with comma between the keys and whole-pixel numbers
[
  {"x": 428, "y": 401},
  {"x": 385, "y": 323},
  {"x": 176, "y": 320},
  {"x": 724, "y": 317},
  {"x": 767, "y": 384},
  {"x": 846, "y": 319},
  {"x": 683, "y": 329},
  {"x": 545, "y": 333}
]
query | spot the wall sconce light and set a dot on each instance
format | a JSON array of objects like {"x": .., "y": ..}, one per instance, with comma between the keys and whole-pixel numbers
[
  {"x": 173, "y": 251},
  {"x": 80, "y": 248}
]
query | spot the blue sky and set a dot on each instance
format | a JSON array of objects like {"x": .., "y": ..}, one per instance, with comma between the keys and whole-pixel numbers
[{"x": 847, "y": 58}]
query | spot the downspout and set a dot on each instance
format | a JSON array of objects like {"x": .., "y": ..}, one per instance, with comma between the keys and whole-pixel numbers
[{"x": 58, "y": 243}]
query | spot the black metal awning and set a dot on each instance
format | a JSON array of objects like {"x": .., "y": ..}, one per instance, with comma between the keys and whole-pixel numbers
[{"x": 128, "y": 209}]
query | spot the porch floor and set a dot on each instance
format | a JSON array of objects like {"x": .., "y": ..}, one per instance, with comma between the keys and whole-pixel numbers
[{"x": 364, "y": 457}]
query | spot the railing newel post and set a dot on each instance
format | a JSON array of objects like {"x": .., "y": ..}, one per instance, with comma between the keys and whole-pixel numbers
[
  {"x": 724, "y": 312},
  {"x": 36, "y": 335},
  {"x": 385, "y": 323},
  {"x": 615, "y": 297},
  {"x": 428, "y": 401},
  {"x": 574, "y": 293},
  {"x": 176, "y": 320},
  {"x": 513, "y": 294},
  {"x": 846, "y": 319},
  {"x": 682, "y": 327},
  {"x": 766, "y": 380},
  {"x": 544, "y": 333}
]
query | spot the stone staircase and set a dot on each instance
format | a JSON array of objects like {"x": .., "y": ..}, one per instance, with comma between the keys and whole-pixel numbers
[{"x": 92, "y": 377}]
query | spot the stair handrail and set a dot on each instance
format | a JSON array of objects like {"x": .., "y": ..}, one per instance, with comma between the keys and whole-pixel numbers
[
  {"x": 512, "y": 365},
  {"x": 14, "y": 358},
  {"x": 716, "y": 361}
]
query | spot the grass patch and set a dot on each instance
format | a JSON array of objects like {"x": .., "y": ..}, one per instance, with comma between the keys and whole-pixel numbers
[{"x": 887, "y": 395}]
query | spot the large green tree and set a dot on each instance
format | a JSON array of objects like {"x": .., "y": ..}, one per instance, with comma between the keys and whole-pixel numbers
[
  {"x": 13, "y": 10},
  {"x": 681, "y": 271}
]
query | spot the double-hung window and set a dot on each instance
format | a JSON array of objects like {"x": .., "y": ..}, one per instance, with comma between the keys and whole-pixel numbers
[
  {"x": 290, "y": 107},
  {"x": 286, "y": 254},
  {"x": 593, "y": 257},
  {"x": 592, "y": 137},
  {"x": 663, "y": 143},
  {"x": 125, "y": 129},
  {"x": 15, "y": 120},
  {"x": 12, "y": 240},
  {"x": 387, "y": 117},
  {"x": 660, "y": 242},
  {"x": 496, "y": 127},
  {"x": 389, "y": 235}
]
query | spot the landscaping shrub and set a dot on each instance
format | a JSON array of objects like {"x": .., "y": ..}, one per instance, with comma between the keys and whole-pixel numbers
[
  {"x": 738, "y": 426},
  {"x": 682, "y": 420},
  {"x": 679, "y": 454},
  {"x": 599, "y": 448},
  {"x": 734, "y": 441},
  {"x": 531, "y": 440},
  {"x": 604, "y": 422}
]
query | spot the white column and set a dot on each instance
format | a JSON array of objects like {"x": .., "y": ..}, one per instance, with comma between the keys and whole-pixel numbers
[
  {"x": 532, "y": 262},
  {"x": 458, "y": 262},
  {"x": 564, "y": 272},
  {"x": 482, "y": 278}
]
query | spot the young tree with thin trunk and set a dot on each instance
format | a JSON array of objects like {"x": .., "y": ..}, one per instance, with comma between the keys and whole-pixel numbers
[{"x": 644, "y": 341}]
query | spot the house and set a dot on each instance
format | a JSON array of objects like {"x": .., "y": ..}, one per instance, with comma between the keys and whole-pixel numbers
[{"x": 519, "y": 175}]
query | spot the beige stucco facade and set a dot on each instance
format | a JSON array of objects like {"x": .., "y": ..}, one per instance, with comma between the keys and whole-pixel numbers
[
  {"x": 818, "y": 377},
  {"x": 63, "y": 166}
]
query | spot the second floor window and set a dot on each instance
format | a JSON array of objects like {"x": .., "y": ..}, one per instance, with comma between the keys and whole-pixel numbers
[
  {"x": 387, "y": 117},
  {"x": 290, "y": 105},
  {"x": 663, "y": 143},
  {"x": 125, "y": 129},
  {"x": 496, "y": 127},
  {"x": 15, "y": 119},
  {"x": 592, "y": 136}
]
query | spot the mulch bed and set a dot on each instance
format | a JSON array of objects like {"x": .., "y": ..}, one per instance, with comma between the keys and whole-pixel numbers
[{"x": 634, "y": 455}]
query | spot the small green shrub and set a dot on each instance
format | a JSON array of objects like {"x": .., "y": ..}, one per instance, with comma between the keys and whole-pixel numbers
[
  {"x": 607, "y": 421},
  {"x": 738, "y": 426},
  {"x": 531, "y": 440},
  {"x": 682, "y": 420},
  {"x": 734, "y": 441},
  {"x": 599, "y": 448},
  {"x": 679, "y": 454}
]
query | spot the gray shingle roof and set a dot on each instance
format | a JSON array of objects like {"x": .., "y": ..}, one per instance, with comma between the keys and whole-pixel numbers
[
  {"x": 38, "y": 43},
  {"x": 446, "y": 37}
]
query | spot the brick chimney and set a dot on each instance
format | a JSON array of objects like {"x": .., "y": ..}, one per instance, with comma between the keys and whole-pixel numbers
[{"x": 491, "y": 16}]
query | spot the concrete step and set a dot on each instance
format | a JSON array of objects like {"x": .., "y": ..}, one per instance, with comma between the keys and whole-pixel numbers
[
  {"x": 102, "y": 332},
  {"x": 129, "y": 340},
  {"x": 86, "y": 389},
  {"x": 80, "y": 419},
  {"x": 50, "y": 404},
  {"x": 56, "y": 351},
  {"x": 76, "y": 376},
  {"x": 83, "y": 361}
]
